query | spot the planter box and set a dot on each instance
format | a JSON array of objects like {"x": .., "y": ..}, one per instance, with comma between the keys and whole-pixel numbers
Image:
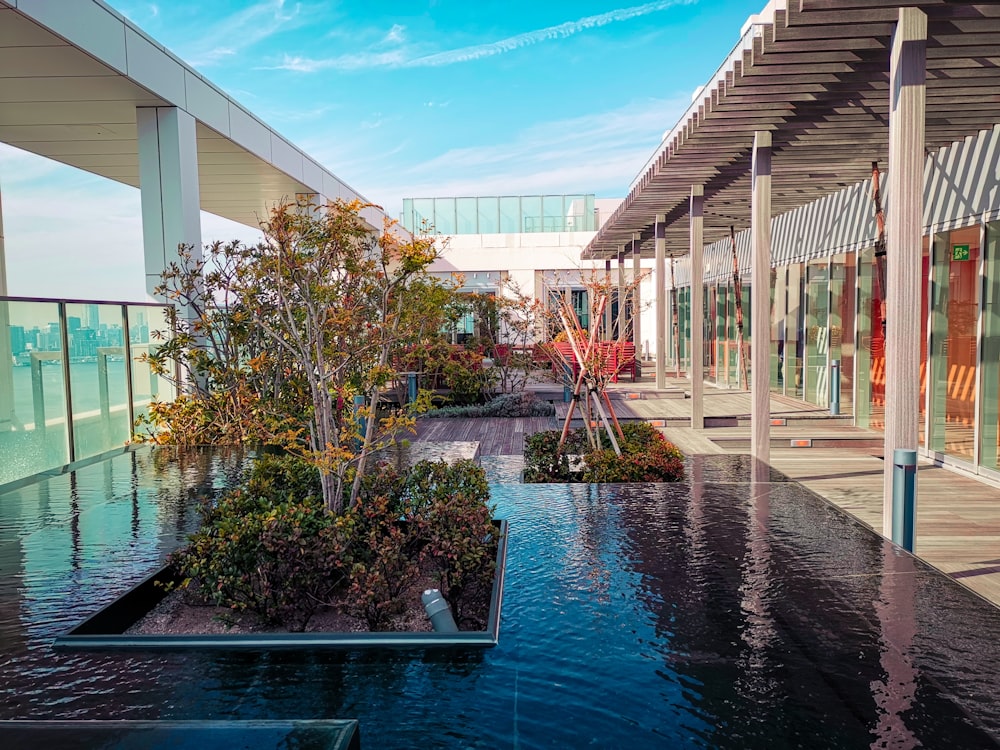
[
  {"x": 106, "y": 628},
  {"x": 332, "y": 734}
]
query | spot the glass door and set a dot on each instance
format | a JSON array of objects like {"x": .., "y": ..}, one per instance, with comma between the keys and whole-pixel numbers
[
  {"x": 817, "y": 331},
  {"x": 989, "y": 430},
  {"x": 842, "y": 300},
  {"x": 954, "y": 314}
]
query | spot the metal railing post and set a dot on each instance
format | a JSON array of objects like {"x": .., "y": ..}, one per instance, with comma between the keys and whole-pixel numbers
[
  {"x": 835, "y": 388},
  {"x": 904, "y": 497}
]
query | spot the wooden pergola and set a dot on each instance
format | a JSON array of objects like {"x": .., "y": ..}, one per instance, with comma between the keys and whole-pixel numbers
[{"x": 815, "y": 91}]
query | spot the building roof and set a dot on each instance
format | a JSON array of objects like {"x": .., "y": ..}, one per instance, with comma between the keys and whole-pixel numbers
[
  {"x": 72, "y": 73},
  {"x": 815, "y": 73}
]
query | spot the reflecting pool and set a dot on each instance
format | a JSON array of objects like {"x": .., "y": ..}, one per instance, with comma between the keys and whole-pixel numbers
[{"x": 715, "y": 613}]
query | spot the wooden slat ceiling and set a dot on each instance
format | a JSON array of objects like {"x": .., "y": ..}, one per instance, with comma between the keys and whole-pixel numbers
[{"x": 818, "y": 79}]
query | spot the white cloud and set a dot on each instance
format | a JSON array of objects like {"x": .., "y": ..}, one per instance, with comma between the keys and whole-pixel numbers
[
  {"x": 233, "y": 34},
  {"x": 599, "y": 153},
  {"x": 395, "y": 35},
  {"x": 560, "y": 31},
  {"x": 412, "y": 58}
]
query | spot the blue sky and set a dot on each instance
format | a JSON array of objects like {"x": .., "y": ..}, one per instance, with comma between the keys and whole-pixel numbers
[{"x": 399, "y": 99}]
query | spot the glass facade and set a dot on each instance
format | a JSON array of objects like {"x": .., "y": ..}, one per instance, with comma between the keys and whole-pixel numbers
[
  {"x": 500, "y": 214},
  {"x": 989, "y": 410},
  {"x": 828, "y": 325},
  {"x": 67, "y": 382},
  {"x": 955, "y": 294}
]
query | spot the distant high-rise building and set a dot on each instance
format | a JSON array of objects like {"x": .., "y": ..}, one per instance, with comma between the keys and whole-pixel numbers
[
  {"x": 17, "y": 339},
  {"x": 91, "y": 316}
]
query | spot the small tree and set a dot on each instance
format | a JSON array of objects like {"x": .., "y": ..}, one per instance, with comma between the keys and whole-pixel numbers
[
  {"x": 591, "y": 357},
  {"x": 297, "y": 326},
  {"x": 513, "y": 323}
]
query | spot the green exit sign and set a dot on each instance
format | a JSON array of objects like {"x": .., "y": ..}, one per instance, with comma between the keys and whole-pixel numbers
[{"x": 959, "y": 252}]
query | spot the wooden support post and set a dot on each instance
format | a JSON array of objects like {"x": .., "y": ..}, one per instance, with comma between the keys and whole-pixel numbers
[
  {"x": 660, "y": 240},
  {"x": 697, "y": 370},
  {"x": 621, "y": 320},
  {"x": 907, "y": 96},
  {"x": 636, "y": 273},
  {"x": 608, "y": 322},
  {"x": 760, "y": 300}
]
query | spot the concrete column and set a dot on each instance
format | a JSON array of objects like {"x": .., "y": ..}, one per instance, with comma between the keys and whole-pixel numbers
[
  {"x": 168, "y": 179},
  {"x": 760, "y": 299},
  {"x": 697, "y": 371},
  {"x": 660, "y": 240},
  {"x": 636, "y": 273},
  {"x": 907, "y": 95}
]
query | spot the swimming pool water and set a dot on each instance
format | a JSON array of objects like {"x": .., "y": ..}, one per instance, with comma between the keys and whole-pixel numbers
[{"x": 711, "y": 613}]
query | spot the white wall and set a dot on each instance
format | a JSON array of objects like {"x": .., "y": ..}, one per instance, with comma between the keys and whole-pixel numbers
[{"x": 524, "y": 255}]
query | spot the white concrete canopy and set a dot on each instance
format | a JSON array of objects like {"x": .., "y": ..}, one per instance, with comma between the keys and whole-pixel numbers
[{"x": 74, "y": 72}]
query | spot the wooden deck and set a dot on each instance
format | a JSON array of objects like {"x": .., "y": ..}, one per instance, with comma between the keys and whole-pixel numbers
[
  {"x": 497, "y": 437},
  {"x": 958, "y": 516}
]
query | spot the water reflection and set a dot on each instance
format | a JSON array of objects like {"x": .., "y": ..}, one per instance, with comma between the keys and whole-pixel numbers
[
  {"x": 894, "y": 694},
  {"x": 732, "y": 610}
]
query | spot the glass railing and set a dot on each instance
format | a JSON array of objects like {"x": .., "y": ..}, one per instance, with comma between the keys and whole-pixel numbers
[
  {"x": 73, "y": 379},
  {"x": 510, "y": 214}
]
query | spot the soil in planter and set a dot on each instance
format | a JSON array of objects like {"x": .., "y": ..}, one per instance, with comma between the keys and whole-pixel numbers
[{"x": 178, "y": 615}]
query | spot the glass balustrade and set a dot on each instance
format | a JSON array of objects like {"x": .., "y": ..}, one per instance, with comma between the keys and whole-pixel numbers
[{"x": 71, "y": 382}]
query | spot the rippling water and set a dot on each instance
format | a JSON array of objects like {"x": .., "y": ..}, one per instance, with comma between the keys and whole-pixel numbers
[{"x": 711, "y": 613}]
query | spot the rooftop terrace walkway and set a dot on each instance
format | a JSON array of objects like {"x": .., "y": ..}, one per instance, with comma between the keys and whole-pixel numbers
[{"x": 958, "y": 517}]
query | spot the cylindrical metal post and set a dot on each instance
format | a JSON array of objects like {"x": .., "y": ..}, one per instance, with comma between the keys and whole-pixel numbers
[
  {"x": 835, "y": 388},
  {"x": 438, "y": 612},
  {"x": 411, "y": 387},
  {"x": 359, "y": 404},
  {"x": 904, "y": 497}
]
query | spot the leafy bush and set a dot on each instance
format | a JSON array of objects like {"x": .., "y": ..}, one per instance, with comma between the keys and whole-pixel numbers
[
  {"x": 284, "y": 476},
  {"x": 522, "y": 404},
  {"x": 450, "y": 506},
  {"x": 271, "y": 547},
  {"x": 384, "y": 551},
  {"x": 646, "y": 457},
  {"x": 279, "y": 560}
]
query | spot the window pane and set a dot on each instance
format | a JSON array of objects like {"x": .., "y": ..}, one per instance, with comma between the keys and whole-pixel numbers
[
  {"x": 97, "y": 378},
  {"x": 466, "y": 212},
  {"x": 444, "y": 215},
  {"x": 423, "y": 214},
  {"x": 554, "y": 215},
  {"x": 531, "y": 213},
  {"x": 510, "y": 215},
  {"x": 488, "y": 219},
  {"x": 147, "y": 330}
]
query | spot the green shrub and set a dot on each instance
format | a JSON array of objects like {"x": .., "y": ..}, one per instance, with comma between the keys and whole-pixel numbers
[
  {"x": 279, "y": 561},
  {"x": 450, "y": 506},
  {"x": 540, "y": 464},
  {"x": 384, "y": 550},
  {"x": 646, "y": 457},
  {"x": 272, "y": 548},
  {"x": 280, "y": 477},
  {"x": 523, "y": 404}
]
